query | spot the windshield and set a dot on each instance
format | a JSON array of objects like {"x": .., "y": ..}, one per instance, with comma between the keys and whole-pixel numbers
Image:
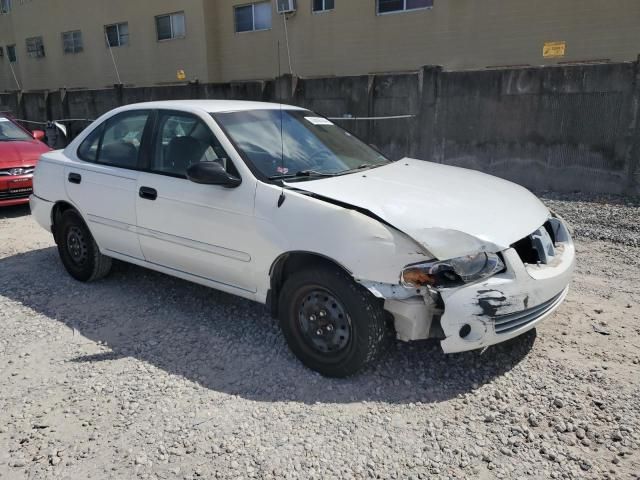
[
  {"x": 312, "y": 145},
  {"x": 10, "y": 131}
]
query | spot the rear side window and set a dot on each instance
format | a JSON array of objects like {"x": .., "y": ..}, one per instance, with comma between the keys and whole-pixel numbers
[{"x": 117, "y": 142}]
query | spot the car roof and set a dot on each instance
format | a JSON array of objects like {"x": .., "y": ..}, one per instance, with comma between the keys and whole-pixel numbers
[{"x": 213, "y": 106}]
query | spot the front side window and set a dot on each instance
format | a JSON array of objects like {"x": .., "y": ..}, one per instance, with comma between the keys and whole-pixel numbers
[
  {"x": 389, "y": 6},
  {"x": 35, "y": 47},
  {"x": 323, "y": 5},
  {"x": 9, "y": 131},
  {"x": 183, "y": 140},
  {"x": 11, "y": 53},
  {"x": 170, "y": 26},
  {"x": 117, "y": 34},
  {"x": 117, "y": 142},
  {"x": 72, "y": 42},
  {"x": 253, "y": 17},
  {"x": 313, "y": 146}
]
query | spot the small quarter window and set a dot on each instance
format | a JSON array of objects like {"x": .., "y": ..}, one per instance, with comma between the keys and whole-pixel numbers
[{"x": 88, "y": 150}]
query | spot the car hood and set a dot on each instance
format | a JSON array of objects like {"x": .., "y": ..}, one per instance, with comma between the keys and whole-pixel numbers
[
  {"x": 450, "y": 211},
  {"x": 20, "y": 153}
]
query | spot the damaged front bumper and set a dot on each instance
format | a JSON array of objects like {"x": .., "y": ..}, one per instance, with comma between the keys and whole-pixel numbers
[{"x": 494, "y": 310}]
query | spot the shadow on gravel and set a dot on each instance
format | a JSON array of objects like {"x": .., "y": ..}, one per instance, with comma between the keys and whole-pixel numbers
[
  {"x": 15, "y": 211},
  {"x": 228, "y": 344}
]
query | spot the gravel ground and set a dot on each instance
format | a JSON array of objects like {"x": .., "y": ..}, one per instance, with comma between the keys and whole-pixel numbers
[{"x": 146, "y": 376}]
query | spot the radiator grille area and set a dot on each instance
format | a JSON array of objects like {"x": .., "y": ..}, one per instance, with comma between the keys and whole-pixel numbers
[
  {"x": 15, "y": 193},
  {"x": 513, "y": 321}
]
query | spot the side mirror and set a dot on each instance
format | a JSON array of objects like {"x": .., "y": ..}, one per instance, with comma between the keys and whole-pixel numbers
[
  {"x": 38, "y": 135},
  {"x": 211, "y": 173}
]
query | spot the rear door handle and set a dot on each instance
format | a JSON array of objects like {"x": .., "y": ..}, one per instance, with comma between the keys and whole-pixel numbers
[
  {"x": 75, "y": 178},
  {"x": 148, "y": 193}
]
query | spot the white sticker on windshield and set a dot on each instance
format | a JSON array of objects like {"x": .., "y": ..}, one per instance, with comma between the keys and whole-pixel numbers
[
  {"x": 4, "y": 119},
  {"x": 318, "y": 120}
]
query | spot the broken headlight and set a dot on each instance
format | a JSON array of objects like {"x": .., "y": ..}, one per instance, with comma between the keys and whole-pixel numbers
[{"x": 454, "y": 272}]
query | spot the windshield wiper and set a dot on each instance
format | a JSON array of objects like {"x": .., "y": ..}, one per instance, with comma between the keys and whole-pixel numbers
[
  {"x": 364, "y": 166},
  {"x": 302, "y": 174}
]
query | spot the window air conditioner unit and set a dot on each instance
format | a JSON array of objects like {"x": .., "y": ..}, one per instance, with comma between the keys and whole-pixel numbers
[{"x": 286, "y": 6}]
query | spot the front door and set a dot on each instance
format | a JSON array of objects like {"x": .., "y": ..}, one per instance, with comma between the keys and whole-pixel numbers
[{"x": 201, "y": 230}]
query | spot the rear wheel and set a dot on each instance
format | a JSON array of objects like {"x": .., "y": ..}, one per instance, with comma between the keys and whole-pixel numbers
[
  {"x": 333, "y": 325},
  {"x": 78, "y": 250}
]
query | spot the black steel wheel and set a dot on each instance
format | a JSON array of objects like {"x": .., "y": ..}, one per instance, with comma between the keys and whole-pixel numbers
[
  {"x": 78, "y": 250},
  {"x": 332, "y": 324},
  {"x": 323, "y": 320}
]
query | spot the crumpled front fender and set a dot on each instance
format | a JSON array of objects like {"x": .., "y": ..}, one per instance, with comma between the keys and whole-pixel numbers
[{"x": 445, "y": 243}]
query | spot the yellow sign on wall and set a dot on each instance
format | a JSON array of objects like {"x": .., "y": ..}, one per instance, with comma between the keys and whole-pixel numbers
[
  {"x": 554, "y": 49},
  {"x": 181, "y": 75}
]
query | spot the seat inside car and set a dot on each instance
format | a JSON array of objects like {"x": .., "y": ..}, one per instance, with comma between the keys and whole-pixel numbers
[
  {"x": 120, "y": 153},
  {"x": 183, "y": 152}
]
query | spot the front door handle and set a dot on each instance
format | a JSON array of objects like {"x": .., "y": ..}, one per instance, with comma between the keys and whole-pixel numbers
[
  {"x": 74, "y": 178},
  {"x": 148, "y": 193}
]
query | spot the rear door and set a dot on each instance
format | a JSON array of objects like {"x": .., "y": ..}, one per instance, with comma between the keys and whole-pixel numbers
[
  {"x": 202, "y": 230},
  {"x": 102, "y": 180}
]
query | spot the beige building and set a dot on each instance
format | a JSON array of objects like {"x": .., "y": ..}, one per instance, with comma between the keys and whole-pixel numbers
[{"x": 52, "y": 44}]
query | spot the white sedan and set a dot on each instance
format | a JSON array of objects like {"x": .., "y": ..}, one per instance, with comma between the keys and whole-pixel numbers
[{"x": 278, "y": 205}]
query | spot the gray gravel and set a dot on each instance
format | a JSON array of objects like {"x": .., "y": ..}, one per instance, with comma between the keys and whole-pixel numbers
[
  {"x": 599, "y": 217},
  {"x": 146, "y": 376}
]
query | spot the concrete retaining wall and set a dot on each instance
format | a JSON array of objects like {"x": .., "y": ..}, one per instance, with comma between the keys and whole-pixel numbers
[{"x": 565, "y": 128}]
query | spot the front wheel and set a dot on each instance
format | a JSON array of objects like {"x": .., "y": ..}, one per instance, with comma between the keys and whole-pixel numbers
[
  {"x": 78, "y": 250},
  {"x": 333, "y": 325}
]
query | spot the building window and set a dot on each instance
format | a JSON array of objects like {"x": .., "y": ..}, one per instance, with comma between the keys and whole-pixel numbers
[
  {"x": 35, "y": 47},
  {"x": 322, "y": 5},
  {"x": 389, "y": 6},
  {"x": 11, "y": 53},
  {"x": 250, "y": 18},
  {"x": 170, "y": 26},
  {"x": 117, "y": 34},
  {"x": 5, "y": 6},
  {"x": 72, "y": 42}
]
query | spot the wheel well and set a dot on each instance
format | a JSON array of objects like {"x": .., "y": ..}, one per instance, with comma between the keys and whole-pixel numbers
[
  {"x": 289, "y": 263},
  {"x": 56, "y": 213}
]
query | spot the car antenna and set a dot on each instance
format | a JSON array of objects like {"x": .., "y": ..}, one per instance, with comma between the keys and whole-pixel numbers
[{"x": 282, "y": 197}]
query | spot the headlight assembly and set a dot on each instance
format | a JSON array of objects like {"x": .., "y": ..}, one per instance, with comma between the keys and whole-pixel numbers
[{"x": 454, "y": 272}]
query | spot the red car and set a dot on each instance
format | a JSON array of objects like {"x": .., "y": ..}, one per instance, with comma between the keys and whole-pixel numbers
[{"x": 19, "y": 153}]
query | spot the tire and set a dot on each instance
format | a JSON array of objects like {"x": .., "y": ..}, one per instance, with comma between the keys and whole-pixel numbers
[
  {"x": 78, "y": 250},
  {"x": 353, "y": 325}
]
